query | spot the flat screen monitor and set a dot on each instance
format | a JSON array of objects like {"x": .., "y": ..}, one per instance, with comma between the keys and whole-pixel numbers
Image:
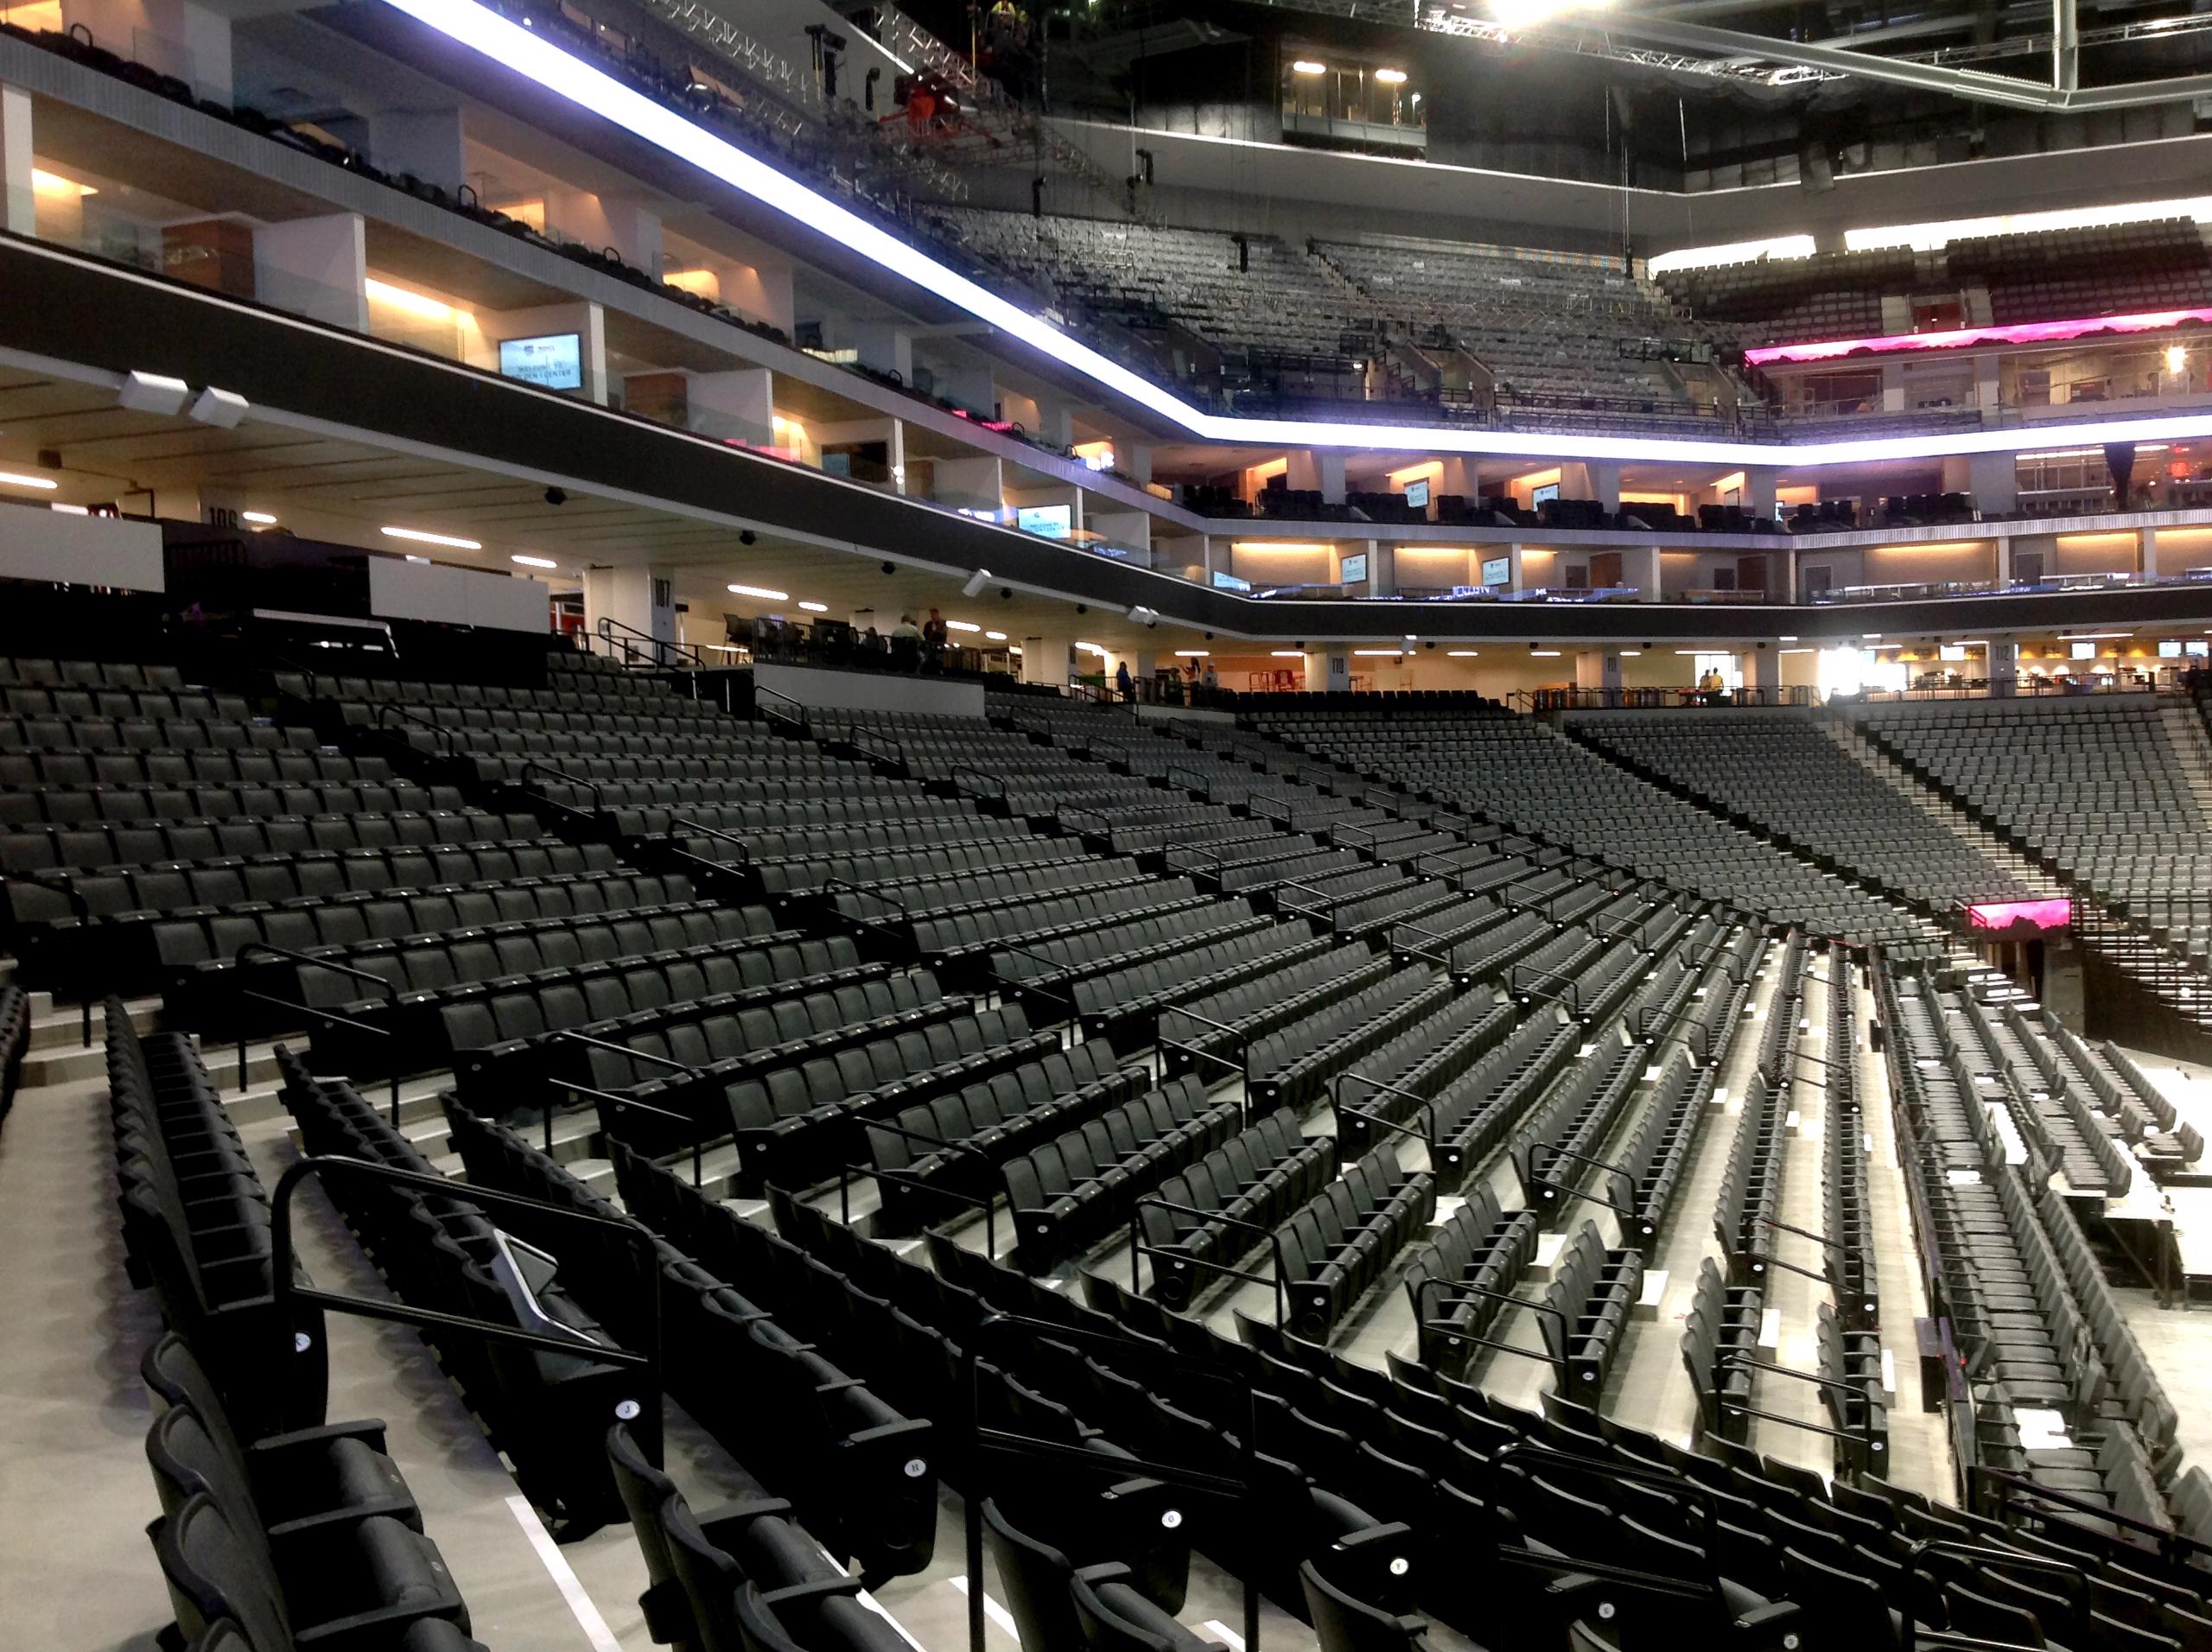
[
  {"x": 1229, "y": 582},
  {"x": 2196, "y": 648},
  {"x": 1543, "y": 495},
  {"x": 2169, "y": 650},
  {"x": 1952, "y": 651},
  {"x": 554, "y": 361},
  {"x": 1355, "y": 569},
  {"x": 1498, "y": 570},
  {"x": 1046, "y": 521},
  {"x": 2081, "y": 650},
  {"x": 1417, "y": 494}
]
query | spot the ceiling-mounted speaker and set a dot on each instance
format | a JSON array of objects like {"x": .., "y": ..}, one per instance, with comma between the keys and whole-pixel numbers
[{"x": 977, "y": 582}]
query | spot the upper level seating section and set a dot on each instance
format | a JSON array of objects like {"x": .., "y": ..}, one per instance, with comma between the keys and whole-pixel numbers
[
  {"x": 1546, "y": 326},
  {"x": 1284, "y": 304},
  {"x": 1513, "y": 771},
  {"x": 2044, "y": 277},
  {"x": 1783, "y": 773},
  {"x": 2092, "y": 788}
]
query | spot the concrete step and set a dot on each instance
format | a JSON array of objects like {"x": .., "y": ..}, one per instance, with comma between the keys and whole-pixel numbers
[
  {"x": 63, "y": 1026},
  {"x": 262, "y": 1098}
]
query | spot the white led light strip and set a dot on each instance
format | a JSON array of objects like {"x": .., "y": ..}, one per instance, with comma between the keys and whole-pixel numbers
[{"x": 478, "y": 28}]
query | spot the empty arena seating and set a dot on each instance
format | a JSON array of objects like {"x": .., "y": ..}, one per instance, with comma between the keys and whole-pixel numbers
[
  {"x": 1784, "y": 773},
  {"x": 1511, "y": 770}
]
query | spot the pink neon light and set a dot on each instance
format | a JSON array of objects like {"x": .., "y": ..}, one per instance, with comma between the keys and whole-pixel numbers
[
  {"x": 2018, "y": 333},
  {"x": 2054, "y": 913}
]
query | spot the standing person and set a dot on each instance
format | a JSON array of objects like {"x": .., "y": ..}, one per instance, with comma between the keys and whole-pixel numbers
[
  {"x": 935, "y": 636},
  {"x": 1212, "y": 681},
  {"x": 1124, "y": 683},
  {"x": 906, "y": 644}
]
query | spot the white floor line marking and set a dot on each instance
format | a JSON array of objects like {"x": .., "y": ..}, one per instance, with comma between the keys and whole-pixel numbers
[
  {"x": 564, "y": 1578},
  {"x": 992, "y": 1610},
  {"x": 1230, "y": 1638}
]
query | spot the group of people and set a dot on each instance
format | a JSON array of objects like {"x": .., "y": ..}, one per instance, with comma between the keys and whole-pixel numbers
[
  {"x": 912, "y": 647},
  {"x": 1190, "y": 679}
]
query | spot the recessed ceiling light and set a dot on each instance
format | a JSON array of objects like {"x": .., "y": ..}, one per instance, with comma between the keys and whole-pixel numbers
[
  {"x": 1391, "y": 77},
  {"x": 259, "y": 519},
  {"x": 1307, "y": 66},
  {"x": 814, "y": 607},
  {"x": 961, "y": 624},
  {"x": 995, "y": 636},
  {"x": 1378, "y": 653},
  {"x": 417, "y": 536},
  {"x": 1543, "y": 653},
  {"x": 11, "y": 478},
  {"x": 761, "y": 591},
  {"x": 534, "y": 561},
  {"x": 1193, "y": 653},
  {"x": 69, "y": 509},
  {"x": 1286, "y": 653}
]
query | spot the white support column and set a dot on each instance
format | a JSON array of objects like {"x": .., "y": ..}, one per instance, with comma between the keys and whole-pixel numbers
[
  {"x": 2003, "y": 560},
  {"x": 896, "y": 457},
  {"x": 1382, "y": 570},
  {"x": 2147, "y": 562},
  {"x": 19, "y": 210},
  {"x": 1328, "y": 670},
  {"x": 2004, "y": 668},
  {"x": 1044, "y": 659},
  {"x": 1758, "y": 489},
  {"x": 1640, "y": 568},
  {"x": 1605, "y": 484},
  {"x": 1763, "y": 667},
  {"x": 316, "y": 267},
  {"x": 1513, "y": 569},
  {"x": 1329, "y": 468},
  {"x": 631, "y": 598},
  {"x": 882, "y": 345},
  {"x": 1994, "y": 479},
  {"x": 1132, "y": 458}
]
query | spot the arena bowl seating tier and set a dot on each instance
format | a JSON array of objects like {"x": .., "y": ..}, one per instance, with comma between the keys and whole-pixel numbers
[{"x": 1291, "y": 1138}]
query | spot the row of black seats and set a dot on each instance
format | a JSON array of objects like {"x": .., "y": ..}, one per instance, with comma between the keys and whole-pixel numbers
[
  {"x": 932, "y": 1158},
  {"x": 132, "y": 705},
  {"x": 1127, "y": 1001},
  {"x": 506, "y": 1036},
  {"x": 21, "y": 671},
  {"x": 1205, "y": 1031},
  {"x": 15, "y": 1043},
  {"x": 1344, "y": 1239},
  {"x": 310, "y": 1538},
  {"x": 132, "y": 805},
  {"x": 32, "y": 850},
  {"x": 1294, "y": 1065},
  {"x": 1208, "y": 1217},
  {"x": 1076, "y": 1189},
  {"x": 543, "y": 1411},
  {"x": 102, "y": 734},
  {"x": 1750, "y": 1199},
  {"x": 862, "y": 1474},
  {"x": 197, "y": 1227},
  {"x": 1586, "y": 1311},
  {"x": 1721, "y": 1352},
  {"x": 70, "y": 769},
  {"x": 959, "y": 945},
  {"x": 1462, "y": 1278}
]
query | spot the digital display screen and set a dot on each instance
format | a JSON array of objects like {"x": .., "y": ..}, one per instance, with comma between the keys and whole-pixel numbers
[
  {"x": 1046, "y": 521},
  {"x": 1498, "y": 570},
  {"x": 553, "y": 362},
  {"x": 2081, "y": 650},
  {"x": 1417, "y": 494},
  {"x": 1229, "y": 582},
  {"x": 2052, "y": 914},
  {"x": 1355, "y": 569},
  {"x": 2196, "y": 649},
  {"x": 1543, "y": 495},
  {"x": 1952, "y": 651},
  {"x": 2169, "y": 650}
]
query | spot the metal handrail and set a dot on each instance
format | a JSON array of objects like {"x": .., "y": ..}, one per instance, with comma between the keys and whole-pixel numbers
[
  {"x": 658, "y": 650},
  {"x": 393, "y": 707},
  {"x": 570, "y": 1036},
  {"x": 1057, "y": 971},
  {"x": 987, "y": 1203},
  {"x": 1162, "y": 1042},
  {"x": 1084, "y": 1458},
  {"x": 1624, "y": 1210},
  {"x": 608, "y": 1098},
  {"x": 1138, "y": 1247},
  {"x": 1460, "y": 1290},
  {"x": 803, "y": 722},
  {"x": 1572, "y": 994},
  {"x": 534, "y": 766},
  {"x": 389, "y": 988},
  {"x": 954, "y": 773},
  {"x": 285, "y": 1291}
]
